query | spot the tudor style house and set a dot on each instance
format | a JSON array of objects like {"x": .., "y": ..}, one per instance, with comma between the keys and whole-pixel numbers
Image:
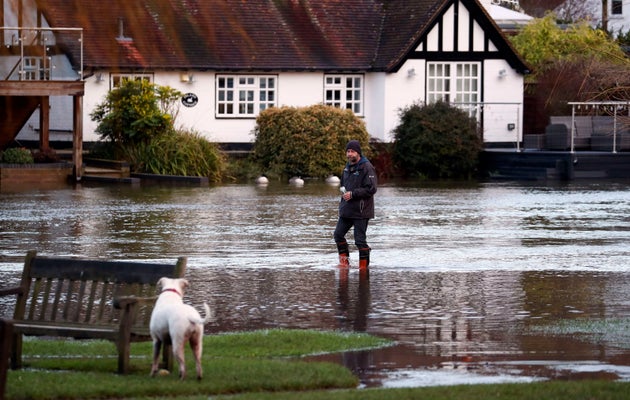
[{"x": 233, "y": 59}]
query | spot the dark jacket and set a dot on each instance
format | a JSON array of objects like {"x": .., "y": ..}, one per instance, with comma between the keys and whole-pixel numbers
[{"x": 360, "y": 179}]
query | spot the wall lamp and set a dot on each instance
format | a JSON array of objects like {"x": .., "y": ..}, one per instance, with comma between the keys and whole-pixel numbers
[
  {"x": 187, "y": 78},
  {"x": 411, "y": 72},
  {"x": 502, "y": 73}
]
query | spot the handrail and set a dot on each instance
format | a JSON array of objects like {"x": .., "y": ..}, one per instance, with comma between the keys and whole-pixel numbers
[
  {"x": 39, "y": 30},
  {"x": 596, "y": 104}
]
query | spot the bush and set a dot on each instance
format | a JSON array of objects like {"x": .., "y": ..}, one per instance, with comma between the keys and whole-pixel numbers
[
  {"x": 135, "y": 112},
  {"x": 46, "y": 156},
  {"x": 180, "y": 153},
  {"x": 437, "y": 141},
  {"x": 17, "y": 155},
  {"x": 305, "y": 141}
]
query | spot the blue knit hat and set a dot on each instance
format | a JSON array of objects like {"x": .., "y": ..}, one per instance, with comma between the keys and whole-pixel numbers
[{"x": 354, "y": 145}]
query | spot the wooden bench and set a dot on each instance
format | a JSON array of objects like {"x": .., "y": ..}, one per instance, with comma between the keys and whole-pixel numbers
[
  {"x": 88, "y": 299},
  {"x": 6, "y": 329}
]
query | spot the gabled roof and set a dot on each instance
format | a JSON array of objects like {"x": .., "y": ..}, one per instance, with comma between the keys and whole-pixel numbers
[{"x": 328, "y": 35}]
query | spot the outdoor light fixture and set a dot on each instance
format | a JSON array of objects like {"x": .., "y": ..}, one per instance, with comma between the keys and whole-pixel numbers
[
  {"x": 502, "y": 73},
  {"x": 186, "y": 78},
  {"x": 99, "y": 77},
  {"x": 411, "y": 72}
]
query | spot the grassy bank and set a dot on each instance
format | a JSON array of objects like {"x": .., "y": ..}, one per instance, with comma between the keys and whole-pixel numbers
[
  {"x": 263, "y": 364},
  {"x": 267, "y": 360}
]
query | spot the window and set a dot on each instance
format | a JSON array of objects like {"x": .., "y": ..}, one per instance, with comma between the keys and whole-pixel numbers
[
  {"x": 117, "y": 79},
  {"x": 34, "y": 69},
  {"x": 454, "y": 83},
  {"x": 616, "y": 7},
  {"x": 244, "y": 95},
  {"x": 344, "y": 91}
]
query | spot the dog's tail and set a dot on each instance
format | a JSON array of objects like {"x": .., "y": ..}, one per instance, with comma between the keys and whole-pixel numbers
[{"x": 208, "y": 317}]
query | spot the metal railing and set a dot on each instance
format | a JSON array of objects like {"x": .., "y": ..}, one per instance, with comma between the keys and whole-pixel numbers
[
  {"x": 606, "y": 108},
  {"x": 36, "y": 51},
  {"x": 496, "y": 120}
]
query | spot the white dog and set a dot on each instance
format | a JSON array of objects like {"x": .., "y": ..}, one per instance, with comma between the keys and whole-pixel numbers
[{"x": 174, "y": 321}]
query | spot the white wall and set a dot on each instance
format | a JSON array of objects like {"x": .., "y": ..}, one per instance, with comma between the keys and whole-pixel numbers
[
  {"x": 402, "y": 90},
  {"x": 502, "y": 88},
  {"x": 384, "y": 97}
]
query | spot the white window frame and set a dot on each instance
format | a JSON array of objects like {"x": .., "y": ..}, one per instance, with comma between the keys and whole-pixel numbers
[
  {"x": 116, "y": 79},
  {"x": 345, "y": 92},
  {"x": 244, "y": 96},
  {"x": 456, "y": 83}
]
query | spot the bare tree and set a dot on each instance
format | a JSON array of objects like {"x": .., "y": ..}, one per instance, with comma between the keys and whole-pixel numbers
[{"x": 578, "y": 10}]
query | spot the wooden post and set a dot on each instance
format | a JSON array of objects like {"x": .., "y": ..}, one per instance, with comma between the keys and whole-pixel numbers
[
  {"x": 44, "y": 123},
  {"x": 77, "y": 125}
]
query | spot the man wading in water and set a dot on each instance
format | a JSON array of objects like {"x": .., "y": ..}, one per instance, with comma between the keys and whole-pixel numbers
[{"x": 358, "y": 185}]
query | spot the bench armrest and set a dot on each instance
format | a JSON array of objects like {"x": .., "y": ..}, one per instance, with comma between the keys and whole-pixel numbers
[
  {"x": 12, "y": 290},
  {"x": 125, "y": 301}
]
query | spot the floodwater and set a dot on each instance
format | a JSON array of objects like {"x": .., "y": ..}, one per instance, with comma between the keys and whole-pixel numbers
[{"x": 476, "y": 283}]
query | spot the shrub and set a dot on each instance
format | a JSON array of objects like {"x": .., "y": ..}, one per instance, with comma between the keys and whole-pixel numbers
[
  {"x": 180, "y": 153},
  {"x": 46, "y": 156},
  {"x": 135, "y": 112},
  {"x": 17, "y": 155},
  {"x": 437, "y": 141},
  {"x": 305, "y": 141}
]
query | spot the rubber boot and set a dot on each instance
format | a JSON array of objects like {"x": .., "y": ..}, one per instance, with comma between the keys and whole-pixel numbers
[
  {"x": 364, "y": 258},
  {"x": 344, "y": 254}
]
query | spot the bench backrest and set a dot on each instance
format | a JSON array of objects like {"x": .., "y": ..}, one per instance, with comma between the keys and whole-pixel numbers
[{"x": 76, "y": 290}]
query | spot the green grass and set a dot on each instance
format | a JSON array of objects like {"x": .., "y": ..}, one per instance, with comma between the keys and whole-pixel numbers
[
  {"x": 262, "y": 365},
  {"x": 266, "y": 360}
]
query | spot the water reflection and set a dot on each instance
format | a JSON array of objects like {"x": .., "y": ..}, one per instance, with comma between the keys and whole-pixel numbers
[{"x": 462, "y": 277}]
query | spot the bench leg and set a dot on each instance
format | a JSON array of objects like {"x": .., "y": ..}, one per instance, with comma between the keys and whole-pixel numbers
[
  {"x": 16, "y": 351},
  {"x": 167, "y": 355},
  {"x": 124, "y": 350},
  {"x": 6, "y": 332}
]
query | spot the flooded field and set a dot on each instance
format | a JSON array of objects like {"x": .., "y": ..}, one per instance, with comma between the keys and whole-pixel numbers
[{"x": 483, "y": 282}]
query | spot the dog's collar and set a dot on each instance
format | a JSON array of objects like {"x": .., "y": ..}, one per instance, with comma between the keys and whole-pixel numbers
[{"x": 172, "y": 290}]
